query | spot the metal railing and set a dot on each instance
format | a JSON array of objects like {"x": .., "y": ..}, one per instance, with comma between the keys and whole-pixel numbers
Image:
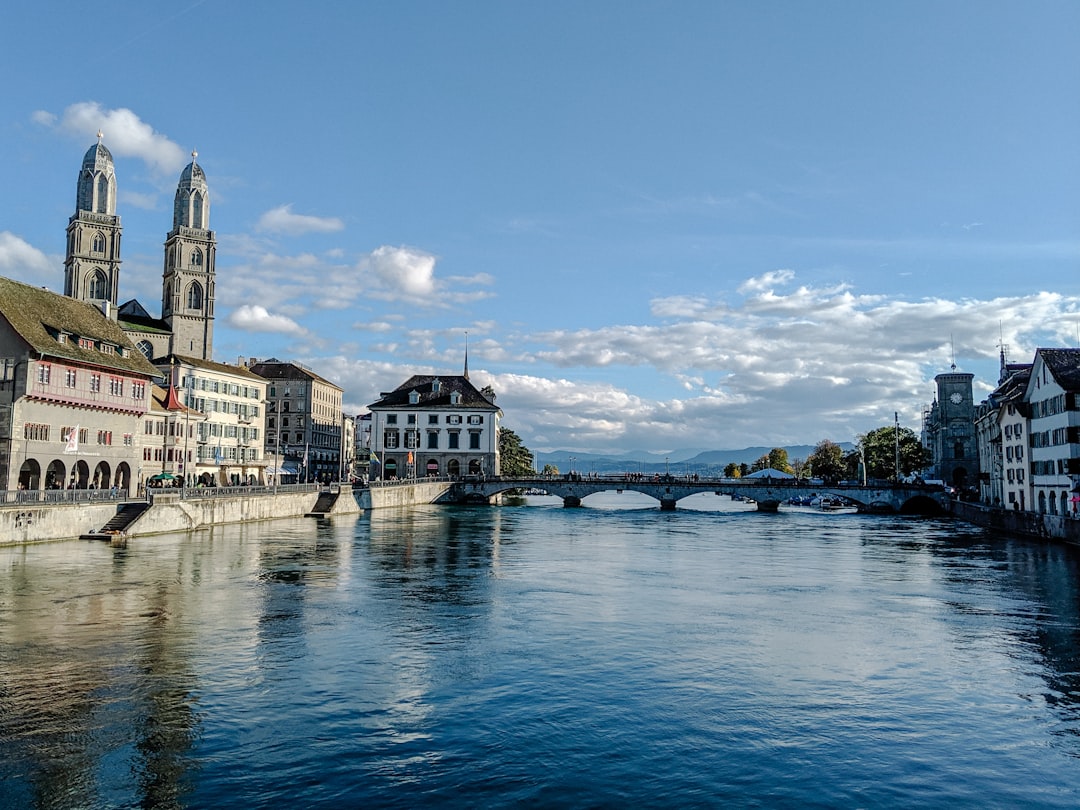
[{"x": 61, "y": 496}]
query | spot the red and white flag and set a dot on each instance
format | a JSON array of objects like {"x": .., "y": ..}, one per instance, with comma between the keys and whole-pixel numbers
[{"x": 73, "y": 441}]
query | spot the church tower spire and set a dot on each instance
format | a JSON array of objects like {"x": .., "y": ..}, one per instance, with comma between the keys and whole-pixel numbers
[
  {"x": 92, "y": 261},
  {"x": 187, "y": 290}
]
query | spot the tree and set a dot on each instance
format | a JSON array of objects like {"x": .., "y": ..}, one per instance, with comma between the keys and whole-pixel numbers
[
  {"x": 551, "y": 470},
  {"x": 826, "y": 461},
  {"x": 732, "y": 471},
  {"x": 515, "y": 459},
  {"x": 778, "y": 460},
  {"x": 878, "y": 448}
]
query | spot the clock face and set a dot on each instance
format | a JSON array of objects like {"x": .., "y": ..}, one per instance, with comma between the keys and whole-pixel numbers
[{"x": 957, "y": 397}]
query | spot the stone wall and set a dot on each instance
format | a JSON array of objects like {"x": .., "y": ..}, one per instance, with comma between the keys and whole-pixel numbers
[
  {"x": 35, "y": 523},
  {"x": 1029, "y": 524}
]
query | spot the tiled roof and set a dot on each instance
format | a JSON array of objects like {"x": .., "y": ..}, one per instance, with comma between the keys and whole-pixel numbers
[
  {"x": 429, "y": 397},
  {"x": 40, "y": 316},
  {"x": 1064, "y": 364},
  {"x": 274, "y": 369},
  {"x": 197, "y": 362}
]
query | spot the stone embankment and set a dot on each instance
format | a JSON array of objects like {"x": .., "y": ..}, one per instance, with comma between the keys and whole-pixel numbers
[
  {"x": 1028, "y": 524},
  {"x": 36, "y": 522}
]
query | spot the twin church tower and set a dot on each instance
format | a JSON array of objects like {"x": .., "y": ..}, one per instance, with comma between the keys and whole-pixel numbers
[{"x": 92, "y": 263}]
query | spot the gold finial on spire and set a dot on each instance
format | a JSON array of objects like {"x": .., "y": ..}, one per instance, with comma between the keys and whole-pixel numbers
[
  {"x": 100, "y": 135},
  {"x": 194, "y": 154}
]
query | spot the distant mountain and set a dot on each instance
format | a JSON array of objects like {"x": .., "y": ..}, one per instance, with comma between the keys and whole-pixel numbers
[{"x": 680, "y": 461}]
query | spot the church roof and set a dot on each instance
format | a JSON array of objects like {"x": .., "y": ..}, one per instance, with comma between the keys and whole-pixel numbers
[
  {"x": 433, "y": 391},
  {"x": 193, "y": 175},
  {"x": 97, "y": 157},
  {"x": 133, "y": 317},
  {"x": 51, "y": 324}
]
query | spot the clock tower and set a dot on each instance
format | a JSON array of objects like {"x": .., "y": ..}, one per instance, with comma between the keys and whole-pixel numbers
[{"x": 952, "y": 429}]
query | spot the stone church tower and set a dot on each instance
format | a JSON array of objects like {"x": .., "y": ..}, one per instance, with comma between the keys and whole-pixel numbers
[
  {"x": 187, "y": 291},
  {"x": 92, "y": 263},
  {"x": 92, "y": 266}
]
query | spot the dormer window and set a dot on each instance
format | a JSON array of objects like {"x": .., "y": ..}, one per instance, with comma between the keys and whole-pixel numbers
[
  {"x": 414, "y": 397},
  {"x": 86, "y": 343},
  {"x": 435, "y": 386},
  {"x": 455, "y": 397}
]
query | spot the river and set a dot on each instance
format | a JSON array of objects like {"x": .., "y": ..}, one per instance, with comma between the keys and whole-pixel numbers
[{"x": 546, "y": 657}]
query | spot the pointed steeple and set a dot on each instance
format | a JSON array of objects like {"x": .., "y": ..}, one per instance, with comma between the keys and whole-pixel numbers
[{"x": 466, "y": 374}]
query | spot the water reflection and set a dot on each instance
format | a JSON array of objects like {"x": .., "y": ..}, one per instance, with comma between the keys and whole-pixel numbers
[{"x": 587, "y": 656}]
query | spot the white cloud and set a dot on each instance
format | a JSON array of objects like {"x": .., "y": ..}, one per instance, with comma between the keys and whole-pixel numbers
[
  {"x": 283, "y": 220},
  {"x": 125, "y": 134},
  {"x": 21, "y": 260},
  {"x": 254, "y": 318}
]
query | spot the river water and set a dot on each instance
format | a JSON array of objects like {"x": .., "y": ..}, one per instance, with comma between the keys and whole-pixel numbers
[{"x": 546, "y": 657}]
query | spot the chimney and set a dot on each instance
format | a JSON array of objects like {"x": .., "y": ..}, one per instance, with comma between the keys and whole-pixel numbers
[{"x": 108, "y": 310}]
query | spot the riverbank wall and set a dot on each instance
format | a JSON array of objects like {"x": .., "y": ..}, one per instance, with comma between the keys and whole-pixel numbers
[
  {"x": 39, "y": 523},
  {"x": 168, "y": 512},
  {"x": 1028, "y": 524}
]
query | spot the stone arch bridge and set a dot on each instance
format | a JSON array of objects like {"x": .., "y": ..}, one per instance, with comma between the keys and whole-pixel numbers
[{"x": 669, "y": 490}]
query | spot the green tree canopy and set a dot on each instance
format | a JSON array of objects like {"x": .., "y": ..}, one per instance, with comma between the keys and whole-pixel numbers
[
  {"x": 514, "y": 457},
  {"x": 732, "y": 471},
  {"x": 550, "y": 469},
  {"x": 826, "y": 461},
  {"x": 878, "y": 448}
]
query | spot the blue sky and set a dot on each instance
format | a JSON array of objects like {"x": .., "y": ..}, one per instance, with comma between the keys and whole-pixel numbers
[{"x": 662, "y": 225}]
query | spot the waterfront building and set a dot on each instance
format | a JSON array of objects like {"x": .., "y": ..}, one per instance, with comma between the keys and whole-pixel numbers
[
  {"x": 949, "y": 430},
  {"x": 74, "y": 390},
  {"x": 435, "y": 425},
  {"x": 1052, "y": 396},
  {"x": 1001, "y": 435},
  {"x": 170, "y": 440},
  {"x": 304, "y": 419},
  {"x": 231, "y": 421},
  {"x": 92, "y": 263}
]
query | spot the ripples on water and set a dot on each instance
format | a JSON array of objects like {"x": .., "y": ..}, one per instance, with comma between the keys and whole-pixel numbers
[{"x": 542, "y": 656}]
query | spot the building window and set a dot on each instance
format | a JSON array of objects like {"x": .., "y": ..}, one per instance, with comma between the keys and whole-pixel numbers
[
  {"x": 390, "y": 440},
  {"x": 474, "y": 441},
  {"x": 104, "y": 437},
  {"x": 433, "y": 419},
  {"x": 70, "y": 378},
  {"x": 196, "y": 257},
  {"x": 96, "y": 286},
  {"x": 98, "y": 244},
  {"x": 453, "y": 440},
  {"x": 476, "y": 419},
  {"x": 36, "y": 432},
  {"x": 44, "y": 372},
  {"x": 391, "y": 419},
  {"x": 195, "y": 296},
  {"x": 432, "y": 440},
  {"x": 95, "y": 383},
  {"x": 453, "y": 419},
  {"x": 138, "y": 390},
  {"x": 116, "y": 386}
]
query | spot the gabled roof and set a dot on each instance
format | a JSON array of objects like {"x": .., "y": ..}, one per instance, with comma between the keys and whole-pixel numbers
[
  {"x": 133, "y": 317},
  {"x": 433, "y": 391},
  {"x": 1064, "y": 364},
  {"x": 40, "y": 318}
]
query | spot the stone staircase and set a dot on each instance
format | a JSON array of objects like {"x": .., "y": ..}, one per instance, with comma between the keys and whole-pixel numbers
[
  {"x": 126, "y": 514},
  {"x": 323, "y": 506}
]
